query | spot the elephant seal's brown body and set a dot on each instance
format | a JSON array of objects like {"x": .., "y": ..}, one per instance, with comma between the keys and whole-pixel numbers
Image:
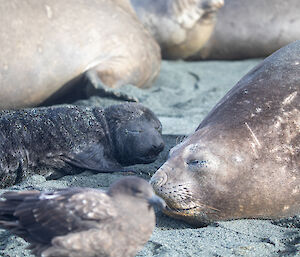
[
  {"x": 181, "y": 27},
  {"x": 46, "y": 44},
  {"x": 243, "y": 161}
]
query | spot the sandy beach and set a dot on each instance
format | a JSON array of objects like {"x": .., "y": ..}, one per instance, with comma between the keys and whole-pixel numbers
[{"x": 182, "y": 95}]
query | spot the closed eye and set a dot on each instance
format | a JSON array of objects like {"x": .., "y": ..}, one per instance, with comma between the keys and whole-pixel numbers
[
  {"x": 133, "y": 131},
  {"x": 197, "y": 163},
  {"x": 158, "y": 128}
]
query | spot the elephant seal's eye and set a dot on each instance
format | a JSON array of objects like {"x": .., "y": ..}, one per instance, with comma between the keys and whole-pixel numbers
[
  {"x": 197, "y": 163},
  {"x": 136, "y": 131}
]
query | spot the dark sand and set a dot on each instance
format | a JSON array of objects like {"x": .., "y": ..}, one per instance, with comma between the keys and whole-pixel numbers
[{"x": 181, "y": 97}]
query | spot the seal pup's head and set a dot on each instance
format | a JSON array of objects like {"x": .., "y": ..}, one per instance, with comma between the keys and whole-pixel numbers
[{"x": 136, "y": 133}]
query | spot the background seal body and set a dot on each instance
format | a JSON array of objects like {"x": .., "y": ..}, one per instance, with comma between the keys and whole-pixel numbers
[
  {"x": 252, "y": 29},
  {"x": 243, "y": 161},
  {"x": 47, "y": 45},
  {"x": 181, "y": 27}
]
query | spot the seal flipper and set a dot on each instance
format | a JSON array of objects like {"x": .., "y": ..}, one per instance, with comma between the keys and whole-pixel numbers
[
  {"x": 92, "y": 158},
  {"x": 95, "y": 86}
]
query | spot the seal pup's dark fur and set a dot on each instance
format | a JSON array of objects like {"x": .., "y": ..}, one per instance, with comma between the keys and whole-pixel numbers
[{"x": 68, "y": 139}]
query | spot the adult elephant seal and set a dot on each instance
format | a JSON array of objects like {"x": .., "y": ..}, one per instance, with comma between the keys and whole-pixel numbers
[
  {"x": 46, "y": 44},
  {"x": 181, "y": 27},
  {"x": 243, "y": 161},
  {"x": 62, "y": 140},
  {"x": 252, "y": 28}
]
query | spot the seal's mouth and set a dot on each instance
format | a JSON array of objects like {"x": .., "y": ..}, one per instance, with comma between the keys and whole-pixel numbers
[
  {"x": 182, "y": 202},
  {"x": 140, "y": 160},
  {"x": 181, "y": 210},
  {"x": 149, "y": 156},
  {"x": 196, "y": 215},
  {"x": 200, "y": 211},
  {"x": 147, "y": 159}
]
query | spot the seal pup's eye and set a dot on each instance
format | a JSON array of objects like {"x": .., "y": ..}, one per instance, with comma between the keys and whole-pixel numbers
[
  {"x": 158, "y": 128},
  {"x": 136, "y": 131},
  {"x": 133, "y": 131}
]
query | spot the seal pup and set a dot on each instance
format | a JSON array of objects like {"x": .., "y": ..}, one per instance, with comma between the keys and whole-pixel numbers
[
  {"x": 252, "y": 29},
  {"x": 77, "y": 222},
  {"x": 47, "y": 46},
  {"x": 181, "y": 27},
  {"x": 243, "y": 161},
  {"x": 61, "y": 140}
]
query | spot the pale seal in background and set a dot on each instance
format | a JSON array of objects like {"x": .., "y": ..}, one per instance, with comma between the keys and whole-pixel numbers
[
  {"x": 181, "y": 27},
  {"x": 243, "y": 161},
  {"x": 252, "y": 28},
  {"x": 46, "y": 44}
]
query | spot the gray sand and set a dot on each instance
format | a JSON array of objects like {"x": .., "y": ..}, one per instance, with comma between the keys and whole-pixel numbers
[
  {"x": 185, "y": 92},
  {"x": 182, "y": 95}
]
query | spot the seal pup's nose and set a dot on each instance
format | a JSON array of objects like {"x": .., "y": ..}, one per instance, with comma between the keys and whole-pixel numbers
[
  {"x": 158, "y": 179},
  {"x": 157, "y": 148}
]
